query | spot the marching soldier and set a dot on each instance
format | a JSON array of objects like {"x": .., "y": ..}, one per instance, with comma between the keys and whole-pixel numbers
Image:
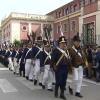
[
  {"x": 11, "y": 67},
  {"x": 22, "y": 60},
  {"x": 28, "y": 65},
  {"x": 60, "y": 63},
  {"x": 7, "y": 54},
  {"x": 37, "y": 57},
  {"x": 78, "y": 61},
  {"x": 20, "y": 52},
  {"x": 16, "y": 65},
  {"x": 48, "y": 74}
]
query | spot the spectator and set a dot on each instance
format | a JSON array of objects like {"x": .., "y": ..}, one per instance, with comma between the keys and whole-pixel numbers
[{"x": 98, "y": 64}]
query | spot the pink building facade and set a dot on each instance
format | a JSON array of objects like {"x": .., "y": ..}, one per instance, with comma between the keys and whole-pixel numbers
[{"x": 18, "y": 25}]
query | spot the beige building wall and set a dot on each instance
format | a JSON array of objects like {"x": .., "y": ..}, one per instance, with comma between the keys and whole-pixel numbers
[
  {"x": 4, "y": 27},
  {"x": 15, "y": 31}
]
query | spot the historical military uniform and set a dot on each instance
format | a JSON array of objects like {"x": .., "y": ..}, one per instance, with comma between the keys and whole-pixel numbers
[
  {"x": 37, "y": 57},
  {"x": 11, "y": 65},
  {"x": 22, "y": 61},
  {"x": 60, "y": 63},
  {"x": 48, "y": 75},
  {"x": 16, "y": 65},
  {"x": 3, "y": 56},
  {"x": 78, "y": 62},
  {"x": 28, "y": 65},
  {"x": 19, "y": 55},
  {"x": 7, "y": 54}
]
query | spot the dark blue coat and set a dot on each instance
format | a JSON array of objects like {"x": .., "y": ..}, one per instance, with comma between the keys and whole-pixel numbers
[
  {"x": 29, "y": 54},
  {"x": 61, "y": 70},
  {"x": 24, "y": 54},
  {"x": 13, "y": 53},
  {"x": 7, "y": 54},
  {"x": 35, "y": 50},
  {"x": 44, "y": 57}
]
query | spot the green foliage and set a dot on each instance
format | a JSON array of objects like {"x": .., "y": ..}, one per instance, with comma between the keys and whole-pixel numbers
[{"x": 17, "y": 43}]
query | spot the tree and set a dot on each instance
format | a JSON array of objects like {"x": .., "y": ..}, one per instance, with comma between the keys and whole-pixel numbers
[{"x": 17, "y": 43}]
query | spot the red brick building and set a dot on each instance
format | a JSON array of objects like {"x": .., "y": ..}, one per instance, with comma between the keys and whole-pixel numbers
[
  {"x": 89, "y": 21},
  {"x": 78, "y": 16}
]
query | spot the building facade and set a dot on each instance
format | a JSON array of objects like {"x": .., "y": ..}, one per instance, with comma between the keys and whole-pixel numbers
[
  {"x": 89, "y": 21},
  {"x": 17, "y": 25},
  {"x": 78, "y": 17},
  {"x": 66, "y": 19},
  {"x": 0, "y": 36}
]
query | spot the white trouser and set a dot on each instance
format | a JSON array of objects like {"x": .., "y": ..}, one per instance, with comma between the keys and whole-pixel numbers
[
  {"x": 47, "y": 77},
  {"x": 41, "y": 74},
  {"x": 77, "y": 78},
  {"x": 16, "y": 66},
  {"x": 27, "y": 67},
  {"x": 53, "y": 76},
  {"x": 11, "y": 63},
  {"x": 31, "y": 73},
  {"x": 36, "y": 69}
]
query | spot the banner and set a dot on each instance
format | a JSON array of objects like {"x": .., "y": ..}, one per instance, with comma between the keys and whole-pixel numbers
[{"x": 24, "y": 29}]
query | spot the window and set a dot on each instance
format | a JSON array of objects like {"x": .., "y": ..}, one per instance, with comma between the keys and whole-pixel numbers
[
  {"x": 65, "y": 27},
  {"x": 86, "y": 2},
  {"x": 59, "y": 14},
  {"x": 92, "y": 1},
  {"x": 82, "y": 3},
  {"x": 73, "y": 26},
  {"x": 75, "y": 8},
  {"x": 62, "y": 12},
  {"x": 71, "y": 8},
  {"x": 89, "y": 34},
  {"x": 56, "y": 15},
  {"x": 66, "y": 11},
  {"x": 58, "y": 29}
]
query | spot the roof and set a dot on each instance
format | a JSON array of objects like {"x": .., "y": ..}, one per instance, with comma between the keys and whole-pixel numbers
[{"x": 25, "y": 16}]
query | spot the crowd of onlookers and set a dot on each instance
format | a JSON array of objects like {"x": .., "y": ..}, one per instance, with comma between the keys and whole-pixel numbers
[{"x": 93, "y": 58}]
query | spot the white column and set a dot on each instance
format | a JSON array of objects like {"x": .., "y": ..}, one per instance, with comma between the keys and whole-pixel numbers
[
  {"x": 30, "y": 28},
  {"x": 98, "y": 4},
  {"x": 98, "y": 28},
  {"x": 41, "y": 29}
]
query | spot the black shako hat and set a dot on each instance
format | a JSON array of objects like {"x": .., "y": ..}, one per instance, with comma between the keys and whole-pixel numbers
[
  {"x": 62, "y": 39},
  {"x": 46, "y": 43},
  {"x": 39, "y": 38},
  {"x": 76, "y": 38}
]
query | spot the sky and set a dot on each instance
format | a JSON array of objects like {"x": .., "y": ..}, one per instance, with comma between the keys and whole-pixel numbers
[{"x": 29, "y": 6}]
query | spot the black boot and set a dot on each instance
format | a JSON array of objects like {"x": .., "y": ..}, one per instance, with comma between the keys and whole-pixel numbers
[
  {"x": 20, "y": 73},
  {"x": 35, "y": 82},
  {"x": 40, "y": 84},
  {"x": 78, "y": 95},
  {"x": 43, "y": 87},
  {"x": 56, "y": 91},
  {"x": 27, "y": 78},
  {"x": 70, "y": 90},
  {"x": 62, "y": 96}
]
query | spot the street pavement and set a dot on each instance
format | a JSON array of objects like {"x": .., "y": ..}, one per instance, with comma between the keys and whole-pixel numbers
[{"x": 13, "y": 87}]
